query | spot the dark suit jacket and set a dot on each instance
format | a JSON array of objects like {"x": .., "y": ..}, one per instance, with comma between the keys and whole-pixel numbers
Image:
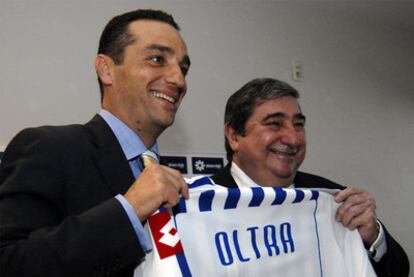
[
  {"x": 393, "y": 263},
  {"x": 58, "y": 215}
]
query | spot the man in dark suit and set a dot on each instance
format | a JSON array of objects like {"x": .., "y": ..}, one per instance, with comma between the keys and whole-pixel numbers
[
  {"x": 266, "y": 144},
  {"x": 73, "y": 199}
]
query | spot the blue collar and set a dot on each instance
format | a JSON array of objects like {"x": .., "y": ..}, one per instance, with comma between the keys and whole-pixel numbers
[{"x": 130, "y": 142}]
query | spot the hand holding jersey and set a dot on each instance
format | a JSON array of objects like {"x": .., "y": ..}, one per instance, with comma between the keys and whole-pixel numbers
[
  {"x": 157, "y": 186},
  {"x": 358, "y": 212}
]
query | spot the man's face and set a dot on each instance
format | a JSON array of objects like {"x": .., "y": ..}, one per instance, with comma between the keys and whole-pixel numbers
[
  {"x": 148, "y": 87},
  {"x": 274, "y": 143}
]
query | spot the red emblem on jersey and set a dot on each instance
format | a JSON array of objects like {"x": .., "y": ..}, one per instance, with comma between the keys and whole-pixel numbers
[{"x": 165, "y": 235}]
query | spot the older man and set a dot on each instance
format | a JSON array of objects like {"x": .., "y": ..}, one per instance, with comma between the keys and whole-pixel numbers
[{"x": 266, "y": 144}]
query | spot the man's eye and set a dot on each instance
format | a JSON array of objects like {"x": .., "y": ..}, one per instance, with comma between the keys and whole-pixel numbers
[
  {"x": 299, "y": 125},
  {"x": 274, "y": 124},
  {"x": 184, "y": 70},
  {"x": 157, "y": 59}
]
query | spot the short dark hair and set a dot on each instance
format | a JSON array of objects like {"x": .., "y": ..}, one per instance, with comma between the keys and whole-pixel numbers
[
  {"x": 241, "y": 105},
  {"x": 115, "y": 37}
]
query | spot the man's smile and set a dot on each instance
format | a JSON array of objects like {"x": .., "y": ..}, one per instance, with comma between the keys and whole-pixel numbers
[{"x": 163, "y": 96}]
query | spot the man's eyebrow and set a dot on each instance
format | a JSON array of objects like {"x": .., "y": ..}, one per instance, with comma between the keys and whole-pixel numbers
[
  {"x": 300, "y": 116},
  {"x": 169, "y": 51},
  {"x": 280, "y": 115},
  {"x": 277, "y": 115},
  {"x": 157, "y": 47}
]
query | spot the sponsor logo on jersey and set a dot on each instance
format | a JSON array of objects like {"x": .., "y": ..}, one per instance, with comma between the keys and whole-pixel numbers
[{"x": 165, "y": 235}]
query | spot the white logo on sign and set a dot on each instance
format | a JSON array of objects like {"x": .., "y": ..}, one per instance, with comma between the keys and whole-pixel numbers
[
  {"x": 199, "y": 165},
  {"x": 170, "y": 235}
]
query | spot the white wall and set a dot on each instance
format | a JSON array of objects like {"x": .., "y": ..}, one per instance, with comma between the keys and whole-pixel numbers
[{"x": 358, "y": 89}]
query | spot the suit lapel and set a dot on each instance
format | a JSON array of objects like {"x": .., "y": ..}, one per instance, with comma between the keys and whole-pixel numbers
[
  {"x": 224, "y": 178},
  {"x": 306, "y": 180},
  {"x": 109, "y": 157}
]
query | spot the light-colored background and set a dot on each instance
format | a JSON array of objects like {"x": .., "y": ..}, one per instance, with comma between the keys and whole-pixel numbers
[{"x": 357, "y": 92}]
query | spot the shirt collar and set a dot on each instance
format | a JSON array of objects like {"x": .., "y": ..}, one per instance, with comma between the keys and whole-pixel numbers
[
  {"x": 242, "y": 180},
  {"x": 130, "y": 142}
]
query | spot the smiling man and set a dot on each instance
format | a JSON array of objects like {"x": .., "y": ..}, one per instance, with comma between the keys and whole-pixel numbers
[
  {"x": 266, "y": 144},
  {"x": 73, "y": 199}
]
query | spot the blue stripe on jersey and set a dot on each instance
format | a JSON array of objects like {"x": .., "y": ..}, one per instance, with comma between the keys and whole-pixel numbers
[
  {"x": 201, "y": 182},
  {"x": 317, "y": 235},
  {"x": 315, "y": 195},
  {"x": 258, "y": 196},
  {"x": 206, "y": 200},
  {"x": 280, "y": 196},
  {"x": 299, "y": 196},
  {"x": 180, "y": 207},
  {"x": 182, "y": 262},
  {"x": 233, "y": 197}
]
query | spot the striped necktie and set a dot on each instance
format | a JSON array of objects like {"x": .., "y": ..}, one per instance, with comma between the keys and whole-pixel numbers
[{"x": 148, "y": 157}]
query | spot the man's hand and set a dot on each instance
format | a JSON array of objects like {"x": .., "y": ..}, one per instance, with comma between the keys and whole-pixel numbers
[
  {"x": 358, "y": 211},
  {"x": 156, "y": 186}
]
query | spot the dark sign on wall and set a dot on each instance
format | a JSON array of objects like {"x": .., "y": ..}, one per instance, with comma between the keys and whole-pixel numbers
[
  {"x": 190, "y": 165},
  {"x": 206, "y": 165},
  {"x": 177, "y": 162}
]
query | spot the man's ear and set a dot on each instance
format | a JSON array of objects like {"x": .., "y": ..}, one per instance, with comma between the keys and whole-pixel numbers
[
  {"x": 103, "y": 66},
  {"x": 232, "y": 137}
]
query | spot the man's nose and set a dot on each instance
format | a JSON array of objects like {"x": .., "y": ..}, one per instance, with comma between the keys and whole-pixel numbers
[
  {"x": 176, "y": 77},
  {"x": 290, "y": 136}
]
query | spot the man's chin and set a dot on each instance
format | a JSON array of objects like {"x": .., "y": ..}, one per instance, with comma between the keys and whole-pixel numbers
[
  {"x": 286, "y": 175},
  {"x": 160, "y": 126},
  {"x": 169, "y": 123},
  {"x": 166, "y": 122}
]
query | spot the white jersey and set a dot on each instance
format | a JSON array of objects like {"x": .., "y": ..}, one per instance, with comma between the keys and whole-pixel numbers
[{"x": 262, "y": 231}]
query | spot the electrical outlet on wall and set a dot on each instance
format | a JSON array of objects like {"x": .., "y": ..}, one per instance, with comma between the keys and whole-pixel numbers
[{"x": 297, "y": 70}]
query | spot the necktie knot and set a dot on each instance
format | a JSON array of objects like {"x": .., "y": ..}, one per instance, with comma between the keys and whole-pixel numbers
[{"x": 148, "y": 157}]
